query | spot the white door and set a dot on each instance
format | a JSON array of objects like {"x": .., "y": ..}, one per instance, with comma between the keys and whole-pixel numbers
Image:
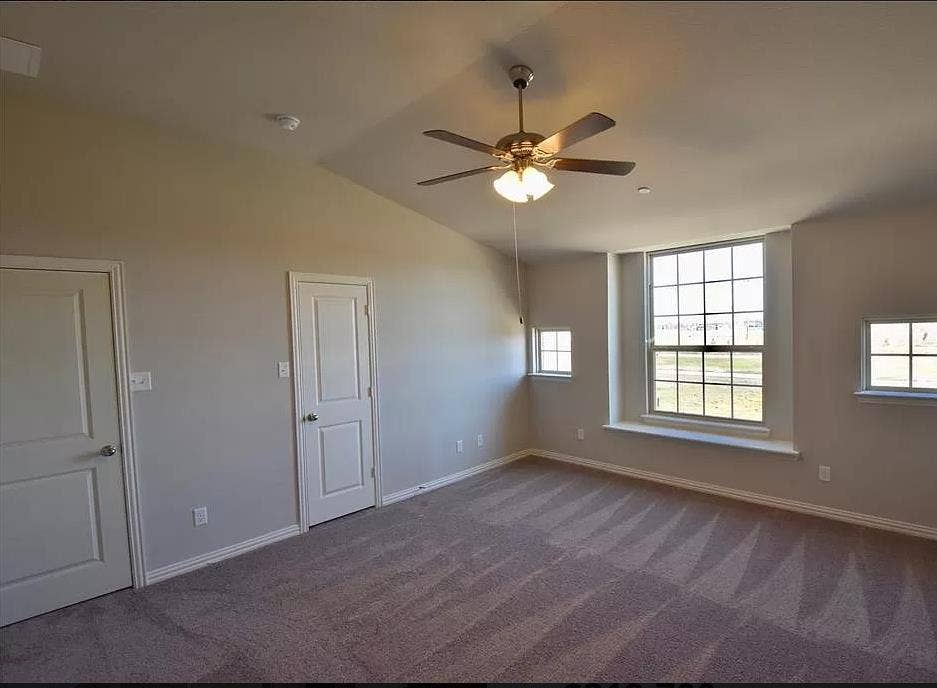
[
  {"x": 63, "y": 525},
  {"x": 335, "y": 405}
]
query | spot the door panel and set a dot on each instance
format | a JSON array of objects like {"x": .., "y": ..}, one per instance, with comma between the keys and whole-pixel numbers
[
  {"x": 63, "y": 525},
  {"x": 334, "y": 362},
  {"x": 341, "y": 457},
  {"x": 337, "y": 357}
]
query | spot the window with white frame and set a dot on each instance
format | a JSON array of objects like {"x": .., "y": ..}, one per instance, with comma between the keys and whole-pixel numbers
[
  {"x": 707, "y": 331},
  {"x": 900, "y": 354},
  {"x": 553, "y": 351}
]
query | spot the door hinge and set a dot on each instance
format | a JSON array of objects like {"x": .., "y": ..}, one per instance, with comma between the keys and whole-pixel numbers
[
  {"x": 369, "y": 392},
  {"x": 367, "y": 309},
  {"x": 372, "y": 471}
]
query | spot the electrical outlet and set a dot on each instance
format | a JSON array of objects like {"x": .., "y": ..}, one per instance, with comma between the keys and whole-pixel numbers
[
  {"x": 458, "y": 447},
  {"x": 141, "y": 381},
  {"x": 200, "y": 515},
  {"x": 580, "y": 434},
  {"x": 480, "y": 440},
  {"x": 825, "y": 473},
  {"x": 283, "y": 368}
]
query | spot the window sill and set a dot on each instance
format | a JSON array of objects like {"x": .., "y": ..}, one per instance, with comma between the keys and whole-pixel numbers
[
  {"x": 551, "y": 376},
  {"x": 906, "y": 398},
  {"x": 778, "y": 447},
  {"x": 711, "y": 426}
]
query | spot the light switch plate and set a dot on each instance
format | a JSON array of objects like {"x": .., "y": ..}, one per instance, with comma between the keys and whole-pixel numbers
[
  {"x": 283, "y": 368},
  {"x": 458, "y": 446},
  {"x": 825, "y": 473},
  {"x": 479, "y": 440},
  {"x": 580, "y": 434},
  {"x": 141, "y": 381}
]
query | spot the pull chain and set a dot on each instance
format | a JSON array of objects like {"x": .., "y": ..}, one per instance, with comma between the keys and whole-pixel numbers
[{"x": 517, "y": 265}]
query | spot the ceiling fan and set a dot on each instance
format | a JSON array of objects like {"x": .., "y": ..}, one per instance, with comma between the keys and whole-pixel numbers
[{"x": 523, "y": 152}]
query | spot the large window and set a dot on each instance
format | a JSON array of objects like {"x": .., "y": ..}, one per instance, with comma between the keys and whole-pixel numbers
[
  {"x": 900, "y": 355},
  {"x": 706, "y": 331},
  {"x": 553, "y": 351}
]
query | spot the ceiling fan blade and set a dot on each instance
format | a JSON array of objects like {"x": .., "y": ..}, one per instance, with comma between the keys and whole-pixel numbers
[
  {"x": 596, "y": 166},
  {"x": 449, "y": 137},
  {"x": 590, "y": 125},
  {"x": 458, "y": 175}
]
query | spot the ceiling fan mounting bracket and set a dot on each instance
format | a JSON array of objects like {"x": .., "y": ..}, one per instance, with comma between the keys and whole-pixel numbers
[{"x": 521, "y": 76}]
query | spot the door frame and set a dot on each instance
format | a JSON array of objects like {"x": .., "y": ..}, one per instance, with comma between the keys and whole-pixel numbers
[
  {"x": 114, "y": 269},
  {"x": 295, "y": 279}
]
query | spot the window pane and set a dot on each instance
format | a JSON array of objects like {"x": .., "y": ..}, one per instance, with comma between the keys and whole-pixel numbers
[
  {"x": 719, "y": 401},
  {"x": 717, "y": 367},
  {"x": 691, "y": 329},
  {"x": 548, "y": 361},
  {"x": 719, "y": 297},
  {"x": 746, "y": 368},
  {"x": 890, "y": 371},
  {"x": 889, "y": 338},
  {"x": 747, "y": 403},
  {"x": 665, "y": 396},
  {"x": 924, "y": 372},
  {"x": 691, "y": 398},
  {"x": 548, "y": 340},
  {"x": 665, "y": 270},
  {"x": 691, "y": 299},
  {"x": 665, "y": 301},
  {"x": 690, "y": 366},
  {"x": 749, "y": 329},
  {"x": 665, "y": 365},
  {"x": 747, "y": 260},
  {"x": 665, "y": 331},
  {"x": 564, "y": 362},
  {"x": 563, "y": 340},
  {"x": 748, "y": 294},
  {"x": 719, "y": 329},
  {"x": 691, "y": 267},
  {"x": 719, "y": 263},
  {"x": 924, "y": 337}
]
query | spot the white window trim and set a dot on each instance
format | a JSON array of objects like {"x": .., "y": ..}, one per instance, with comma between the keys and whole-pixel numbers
[
  {"x": 535, "y": 353},
  {"x": 730, "y": 427},
  {"x": 866, "y": 393}
]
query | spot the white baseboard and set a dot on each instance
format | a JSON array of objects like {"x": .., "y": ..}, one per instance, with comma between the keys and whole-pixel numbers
[
  {"x": 453, "y": 477},
  {"x": 915, "y": 529},
  {"x": 180, "y": 567}
]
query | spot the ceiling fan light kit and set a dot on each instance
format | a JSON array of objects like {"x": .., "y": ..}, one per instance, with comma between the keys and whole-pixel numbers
[{"x": 523, "y": 152}]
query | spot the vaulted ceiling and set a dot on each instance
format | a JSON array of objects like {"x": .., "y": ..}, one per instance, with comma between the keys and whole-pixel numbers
[{"x": 740, "y": 116}]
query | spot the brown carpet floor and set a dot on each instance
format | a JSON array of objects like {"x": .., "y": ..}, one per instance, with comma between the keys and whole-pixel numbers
[{"x": 535, "y": 571}]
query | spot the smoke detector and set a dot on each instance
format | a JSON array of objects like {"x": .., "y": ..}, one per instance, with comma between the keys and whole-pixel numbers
[{"x": 287, "y": 122}]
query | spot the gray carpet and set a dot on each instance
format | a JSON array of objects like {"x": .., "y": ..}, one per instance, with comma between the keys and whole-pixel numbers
[{"x": 535, "y": 571}]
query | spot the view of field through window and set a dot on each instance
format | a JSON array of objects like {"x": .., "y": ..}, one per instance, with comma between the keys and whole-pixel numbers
[
  {"x": 708, "y": 331},
  {"x": 903, "y": 355}
]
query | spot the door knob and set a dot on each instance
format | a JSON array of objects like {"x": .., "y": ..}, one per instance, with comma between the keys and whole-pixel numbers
[
  {"x": 309, "y": 417},
  {"x": 108, "y": 450}
]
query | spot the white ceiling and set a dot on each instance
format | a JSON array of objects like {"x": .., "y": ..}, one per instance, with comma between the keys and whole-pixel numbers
[{"x": 740, "y": 116}]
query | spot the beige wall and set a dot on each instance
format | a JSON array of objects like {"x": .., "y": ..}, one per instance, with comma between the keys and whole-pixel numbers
[
  {"x": 883, "y": 458},
  {"x": 208, "y": 233}
]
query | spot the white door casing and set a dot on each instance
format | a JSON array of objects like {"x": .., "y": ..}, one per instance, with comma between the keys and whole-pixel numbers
[
  {"x": 333, "y": 365},
  {"x": 63, "y": 517}
]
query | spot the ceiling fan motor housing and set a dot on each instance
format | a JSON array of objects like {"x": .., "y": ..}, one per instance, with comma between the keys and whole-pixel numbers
[{"x": 521, "y": 76}]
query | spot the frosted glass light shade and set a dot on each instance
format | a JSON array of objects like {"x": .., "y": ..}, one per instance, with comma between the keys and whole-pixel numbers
[{"x": 531, "y": 183}]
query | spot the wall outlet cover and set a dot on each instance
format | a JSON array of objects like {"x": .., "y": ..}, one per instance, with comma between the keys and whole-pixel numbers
[
  {"x": 458, "y": 446},
  {"x": 200, "y": 516},
  {"x": 825, "y": 473},
  {"x": 141, "y": 381},
  {"x": 580, "y": 434},
  {"x": 283, "y": 368},
  {"x": 480, "y": 440}
]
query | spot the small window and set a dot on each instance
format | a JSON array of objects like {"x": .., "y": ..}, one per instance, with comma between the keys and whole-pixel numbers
[
  {"x": 900, "y": 355},
  {"x": 553, "y": 351}
]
